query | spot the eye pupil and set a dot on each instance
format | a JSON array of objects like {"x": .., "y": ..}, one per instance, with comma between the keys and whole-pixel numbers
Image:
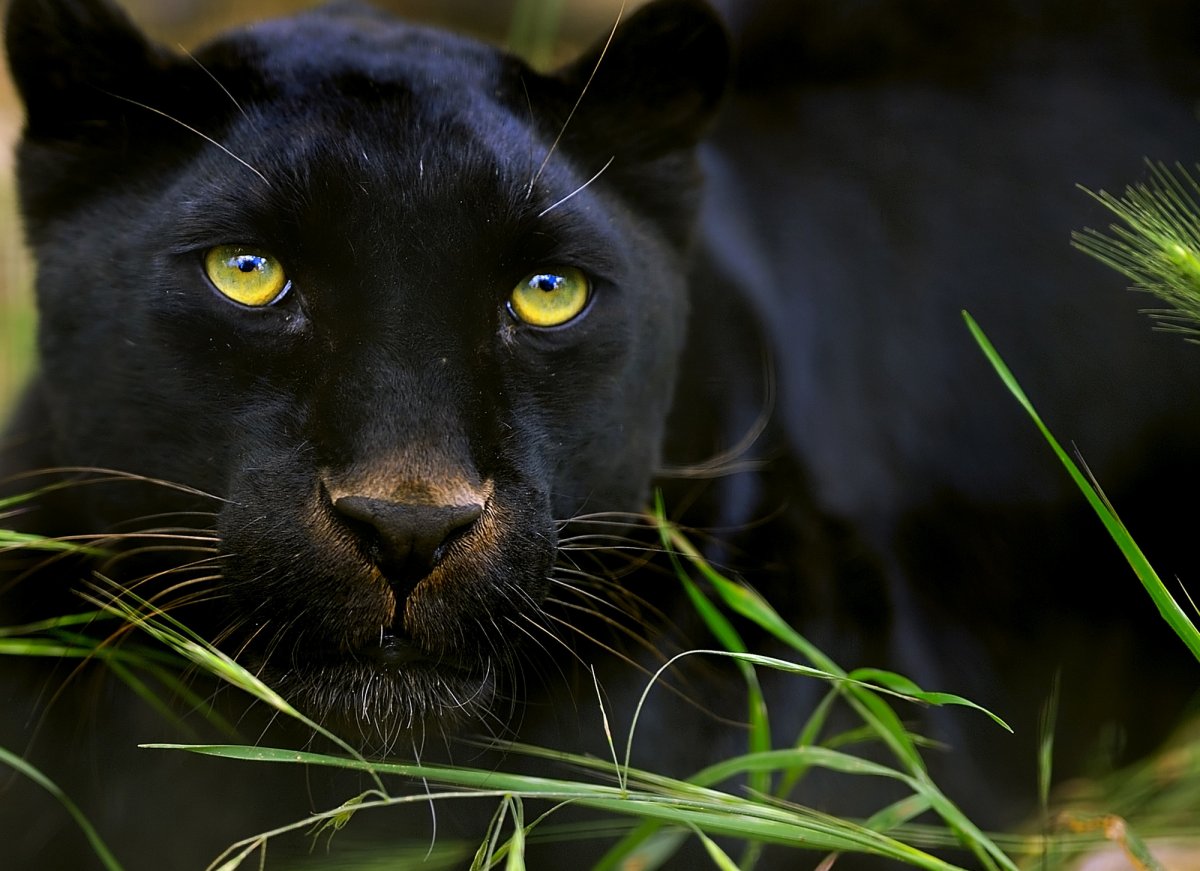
[
  {"x": 246, "y": 276},
  {"x": 550, "y": 299}
]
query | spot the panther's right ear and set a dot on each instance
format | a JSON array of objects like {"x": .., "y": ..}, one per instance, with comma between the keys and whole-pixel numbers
[
  {"x": 655, "y": 85},
  {"x": 74, "y": 63}
]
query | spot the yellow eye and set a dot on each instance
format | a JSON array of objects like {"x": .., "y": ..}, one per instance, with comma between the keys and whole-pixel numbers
[
  {"x": 548, "y": 299},
  {"x": 246, "y": 275}
]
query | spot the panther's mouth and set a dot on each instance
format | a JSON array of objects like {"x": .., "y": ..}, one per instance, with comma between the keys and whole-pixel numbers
[
  {"x": 391, "y": 654},
  {"x": 394, "y": 650},
  {"x": 397, "y": 653},
  {"x": 379, "y": 691}
]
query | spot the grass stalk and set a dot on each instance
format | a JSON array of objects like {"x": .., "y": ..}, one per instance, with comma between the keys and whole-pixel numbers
[
  {"x": 107, "y": 859},
  {"x": 1172, "y": 612}
]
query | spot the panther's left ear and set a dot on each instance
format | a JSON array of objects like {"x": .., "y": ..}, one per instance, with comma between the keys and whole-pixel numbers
[
  {"x": 656, "y": 84},
  {"x": 74, "y": 60}
]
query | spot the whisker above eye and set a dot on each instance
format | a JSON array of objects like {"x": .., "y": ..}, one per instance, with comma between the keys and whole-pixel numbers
[
  {"x": 577, "y": 190},
  {"x": 217, "y": 81},
  {"x": 570, "y": 115},
  {"x": 191, "y": 129}
]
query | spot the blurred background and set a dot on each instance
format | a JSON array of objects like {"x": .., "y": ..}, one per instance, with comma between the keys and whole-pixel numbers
[{"x": 544, "y": 31}]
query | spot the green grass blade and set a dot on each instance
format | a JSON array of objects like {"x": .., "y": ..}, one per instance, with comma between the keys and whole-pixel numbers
[
  {"x": 515, "y": 860},
  {"x": 901, "y": 684},
  {"x": 485, "y": 855},
  {"x": 647, "y": 846},
  {"x": 759, "y": 738},
  {"x": 752, "y": 606},
  {"x": 97, "y": 843},
  {"x": 720, "y": 858},
  {"x": 85, "y": 618},
  {"x": 898, "y": 813},
  {"x": 10, "y": 540},
  {"x": 187, "y": 644},
  {"x": 716, "y": 813},
  {"x": 808, "y": 737},
  {"x": 1046, "y": 727},
  {"x": 864, "y": 700},
  {"x": 741, "y": 599},
  {"x": 1137, "y": 850},
  {"x": 150, "y": 697},
  {"x": 174, "y": 685},
  {"x": 43, "y": 647},
  {"x": 1170, "y": 609},
  {"x": 655, "y": 845},
  {"x": 774, "y": 760}
]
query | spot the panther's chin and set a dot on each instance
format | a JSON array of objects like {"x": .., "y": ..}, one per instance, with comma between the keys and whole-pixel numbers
[{"x": 380, "y": 695}]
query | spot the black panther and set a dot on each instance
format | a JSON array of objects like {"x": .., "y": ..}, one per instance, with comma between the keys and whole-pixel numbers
[{"x": 382, "y": 320}]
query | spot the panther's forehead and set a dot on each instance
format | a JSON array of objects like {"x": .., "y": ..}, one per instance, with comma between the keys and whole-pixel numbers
[
  {"x": 411, "y": 173},
  {"x": 336, "y": 155},
  {"x": 363, "y": 54},
  {"x": 379, "y": 104}
]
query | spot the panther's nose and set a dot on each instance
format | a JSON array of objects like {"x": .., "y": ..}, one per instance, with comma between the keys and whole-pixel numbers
[{"x": 409, "y": 535}]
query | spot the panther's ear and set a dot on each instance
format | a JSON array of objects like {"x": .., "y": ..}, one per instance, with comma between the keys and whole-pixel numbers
[
  {"x": 655, "y": 86},
  {"x": 74, "y": 61}
]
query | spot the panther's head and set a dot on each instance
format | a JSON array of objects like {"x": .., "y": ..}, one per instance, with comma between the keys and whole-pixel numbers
[{"x": 399, "y": 304}]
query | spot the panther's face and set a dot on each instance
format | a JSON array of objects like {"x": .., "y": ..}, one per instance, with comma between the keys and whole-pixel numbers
[{"x": 395, "y": 302}]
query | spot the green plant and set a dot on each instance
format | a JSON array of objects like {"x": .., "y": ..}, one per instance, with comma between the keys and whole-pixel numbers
[
  {"x": 697, "y": 805},
  {"x": 649, "y": 815},
  {"x": 1156, "y": 244},
  {"x": 1174, "y": 614}
]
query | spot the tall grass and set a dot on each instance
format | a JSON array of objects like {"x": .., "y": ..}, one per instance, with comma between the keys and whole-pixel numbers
[
  {"x": 1171, "y": 610},
  {"x": 734, "y": 806},
  {"x": 1156, "y": 243},
  {"x": 698, "y": 805},
  {"x": 710, "y": 806},
  {"x": 21, "y": 766}
]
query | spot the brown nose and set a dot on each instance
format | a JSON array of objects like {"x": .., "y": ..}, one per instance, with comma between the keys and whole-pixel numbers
[{"x": 409, "y": 536}]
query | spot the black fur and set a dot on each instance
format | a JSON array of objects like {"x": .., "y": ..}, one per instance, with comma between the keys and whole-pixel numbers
[
  {"x": 877, "y": 168},
  {"x": 397, "y": 172}
]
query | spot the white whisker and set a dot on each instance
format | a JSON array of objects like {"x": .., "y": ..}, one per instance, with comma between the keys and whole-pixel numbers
[
  {"x": 217, "y": 81},
  {"x": 551, "y": 208},
  {"x": 192, "y": 129},
  {"x": 562, "y": 130}
]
